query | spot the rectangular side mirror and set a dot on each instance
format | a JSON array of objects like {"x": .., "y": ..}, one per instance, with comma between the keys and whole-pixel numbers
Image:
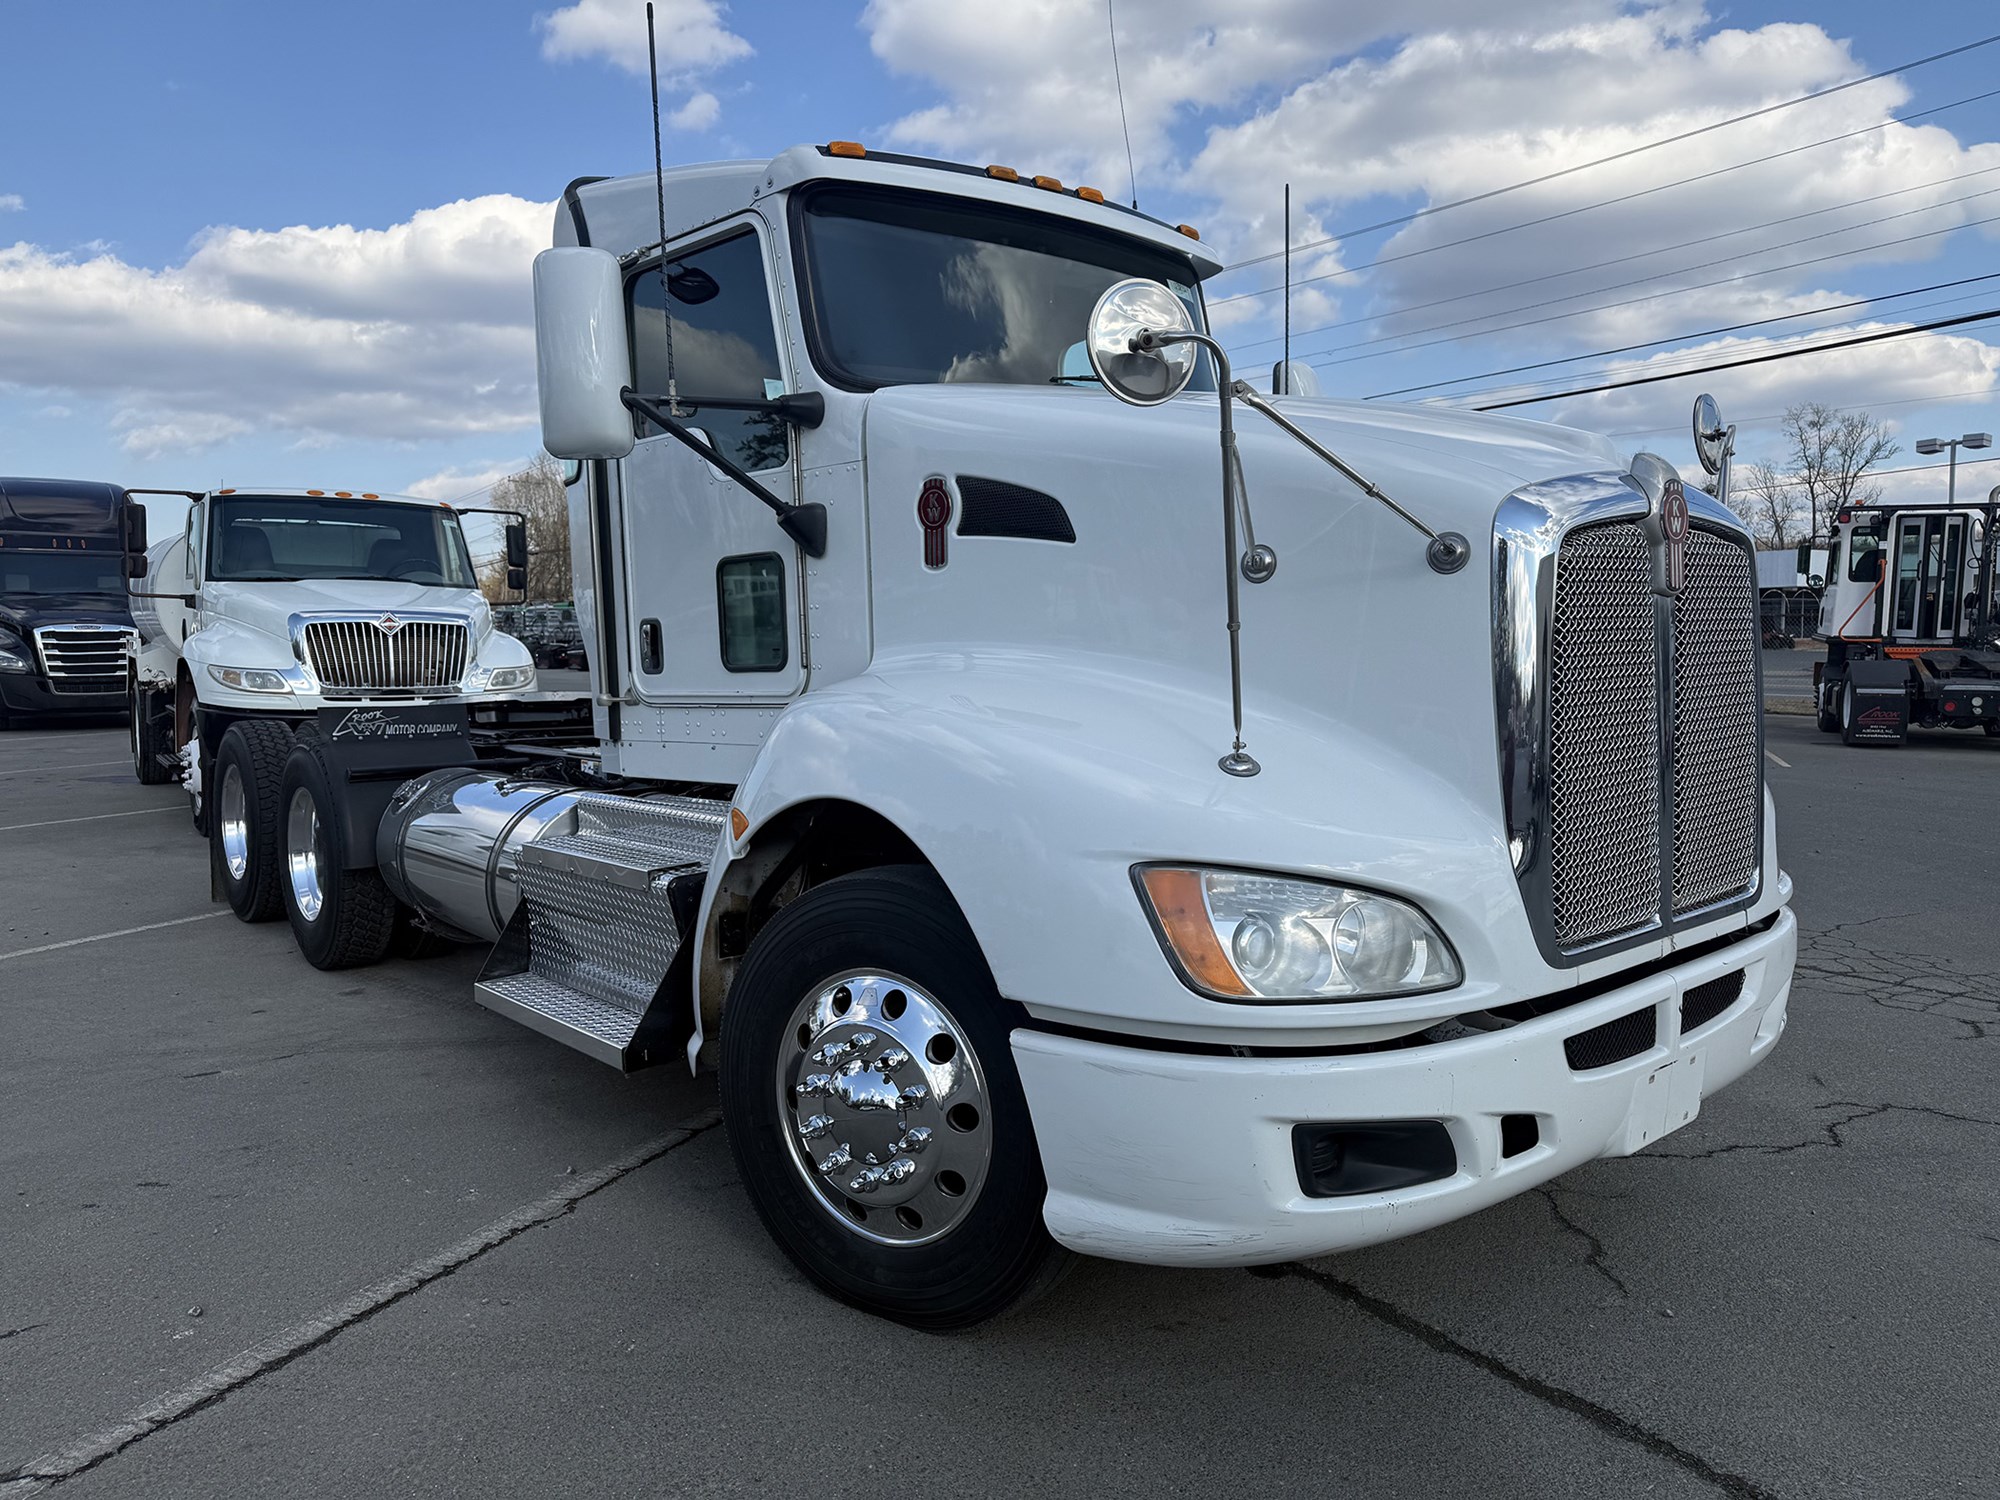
[
  {"x": 133, "y": 565},
  {"x": 132, "y": 531},
  {"x": 581, "y": 359},
  {"x": 517, "y": 580},
  {"x": 517, "y": 544}
]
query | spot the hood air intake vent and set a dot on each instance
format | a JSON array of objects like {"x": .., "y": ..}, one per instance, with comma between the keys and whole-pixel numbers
[{"x": 993, "y": 507}]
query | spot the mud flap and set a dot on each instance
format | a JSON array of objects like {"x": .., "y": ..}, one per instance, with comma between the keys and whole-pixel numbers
[
  {"x": 1881, "y": 703},
  {"x": 369, "y": 752}
]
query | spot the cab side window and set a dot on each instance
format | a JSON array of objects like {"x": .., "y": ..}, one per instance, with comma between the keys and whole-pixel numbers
[{"x": 723, "y": 345}]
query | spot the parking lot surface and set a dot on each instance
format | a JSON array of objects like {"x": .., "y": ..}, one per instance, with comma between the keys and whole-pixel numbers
[{"x": 269, "y": 1231}]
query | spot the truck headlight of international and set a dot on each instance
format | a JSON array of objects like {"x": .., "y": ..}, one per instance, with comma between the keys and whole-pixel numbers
[
  {"x": 502, "y": 678},
  {"x": 251, "y": 679},
  {"x": 1243, "y": 936}
]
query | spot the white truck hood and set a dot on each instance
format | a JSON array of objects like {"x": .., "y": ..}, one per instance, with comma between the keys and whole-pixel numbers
[{"x": 268, "y": 607}]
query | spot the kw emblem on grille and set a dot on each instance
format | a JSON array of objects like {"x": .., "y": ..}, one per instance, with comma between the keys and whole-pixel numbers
[
  {"x": 389, "y": 624},
  {"x": 1672, "y": 544}
]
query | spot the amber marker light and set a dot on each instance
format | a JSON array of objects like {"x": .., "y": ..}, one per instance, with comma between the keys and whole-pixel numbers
[
  {"x": 367, "y": 496},
  {"x": 1189, "y": 230},
  {"x": 846, "y": 148},
  {"x": 1090, "y": 195},
  {"x": 1183, "y": 917},
  {"x": 738, "y": 824},
  {"x": 315, "y": 492},
  {"x": 1052, "y": 184},
  {"x": 1003, "y": 174},
  {"x": 229, "y": 491},
  {"x": 343, "y": 494}
]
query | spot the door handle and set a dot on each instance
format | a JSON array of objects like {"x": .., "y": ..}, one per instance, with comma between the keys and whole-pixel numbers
[{"x": 652, "y": 656}]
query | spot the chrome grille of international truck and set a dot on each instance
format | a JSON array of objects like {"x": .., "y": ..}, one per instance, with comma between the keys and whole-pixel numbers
[
  {"x": 1718, "y": 777},
  {"x": 360, "y": 657},
  {"x": 84, "y": 658},
  {"x": 1604, "y": 714},
  {"x": 1630, "y": 726}
]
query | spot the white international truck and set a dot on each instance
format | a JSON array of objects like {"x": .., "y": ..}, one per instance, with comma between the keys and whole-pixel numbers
[
  {"x": 271, "y": 606},
  {"x": 1067, "y": 823}
]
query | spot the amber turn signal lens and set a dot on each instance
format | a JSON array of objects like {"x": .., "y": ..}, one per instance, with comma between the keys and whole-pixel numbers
[
  {"x": 846, "y": 148},
  {"x": 1183, "y": 916},
  {"x": 738, "y": 824}
]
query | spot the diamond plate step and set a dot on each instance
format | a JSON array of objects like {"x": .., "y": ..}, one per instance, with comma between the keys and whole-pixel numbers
[{"x": 577, "y": 1020}]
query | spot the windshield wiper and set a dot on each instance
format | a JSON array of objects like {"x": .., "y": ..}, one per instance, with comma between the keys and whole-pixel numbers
[{"x": 1074, "y": 380}]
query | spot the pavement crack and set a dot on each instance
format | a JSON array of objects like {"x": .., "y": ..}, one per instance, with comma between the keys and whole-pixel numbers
[
  {"x": 1836, "y": 959},
  {"x": 8, "y": 1333},
  {"x": 1831, "y": 1134},
  {"x": 1598, "y": 1258},
  {"x": 282, "y": 1348},
  {"x": 1607, "y": 1421}
]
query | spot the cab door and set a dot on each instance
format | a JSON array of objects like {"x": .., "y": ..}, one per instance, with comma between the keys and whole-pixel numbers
[
  {"x": 714, "y": 584},
  {"x": 1928, "y": 558}
]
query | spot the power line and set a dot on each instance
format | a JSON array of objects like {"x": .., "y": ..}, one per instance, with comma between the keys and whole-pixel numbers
[
  {"x": 1778, "y": 416},
  {"x": 1757, "y": 359},
  {"x": 1675, "y": 338},
  {"x": 1685, "y": 135},
  {"x": 1570, "y": 213},
  {"x": 1616, "y": 286},
  {"x": 1577, "y": 312}
]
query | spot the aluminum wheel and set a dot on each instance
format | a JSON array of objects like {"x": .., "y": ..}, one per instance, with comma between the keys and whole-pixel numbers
[
  {"x": 886, "y": 1107},
  {"x": 232, "y": 810},
  {"x": 302, "y": 855}
]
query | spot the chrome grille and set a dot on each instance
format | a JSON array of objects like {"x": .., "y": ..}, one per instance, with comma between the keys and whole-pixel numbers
[
  {"x": 358, "y": 657},
  {"x": 84, "y": 658},
  {"x": 1718, "y": 775},
  {"x": 1604, "y": 714}
]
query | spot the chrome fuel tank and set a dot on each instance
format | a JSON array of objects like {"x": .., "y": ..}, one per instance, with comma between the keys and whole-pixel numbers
[{"x": 450, "y": 843}]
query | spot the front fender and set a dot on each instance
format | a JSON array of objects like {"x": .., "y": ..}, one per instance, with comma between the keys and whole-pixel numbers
[
  {"x": 1033, "y": 783},
  {"x": 231, "y": 643}
]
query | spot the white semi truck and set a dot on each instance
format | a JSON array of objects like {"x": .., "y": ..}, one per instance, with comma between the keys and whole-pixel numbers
[
  {"x": 1070, "y": 824},
  {"x": 271, "y": 606}
]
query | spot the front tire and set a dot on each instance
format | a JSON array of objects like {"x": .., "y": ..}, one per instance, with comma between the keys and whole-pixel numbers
[
  {"x": 1828, "y": 719},
  {"x": 341, "y": 918},
  {"x": 874, "y": 1110},
  {"x": 243, "y": 850}
]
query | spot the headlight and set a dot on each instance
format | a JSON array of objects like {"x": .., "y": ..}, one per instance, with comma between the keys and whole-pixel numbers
[
  {"x": 510, "y": 677},
  {"x": 251, "y": 679},
  {"x": 14, "y": 655},
  {"x": 1239, "y": 936}
]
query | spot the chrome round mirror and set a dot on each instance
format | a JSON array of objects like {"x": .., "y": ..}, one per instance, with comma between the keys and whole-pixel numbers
[
  {"x": 1710, "y": 434},
  {"x": 1144, "y": 377}
]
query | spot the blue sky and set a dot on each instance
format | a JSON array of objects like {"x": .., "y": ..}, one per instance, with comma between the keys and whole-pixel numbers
[{"x": 256, "y": 243}]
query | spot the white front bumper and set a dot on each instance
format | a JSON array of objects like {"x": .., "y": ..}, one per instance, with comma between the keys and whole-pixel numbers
[{"x": 1179, "y": 1159}]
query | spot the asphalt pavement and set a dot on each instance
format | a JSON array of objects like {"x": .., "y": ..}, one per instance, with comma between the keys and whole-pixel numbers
[{"x": 269, "y": 1231}]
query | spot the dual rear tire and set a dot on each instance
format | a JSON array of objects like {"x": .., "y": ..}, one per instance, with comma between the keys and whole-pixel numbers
[{"x": 342, "y": 918}]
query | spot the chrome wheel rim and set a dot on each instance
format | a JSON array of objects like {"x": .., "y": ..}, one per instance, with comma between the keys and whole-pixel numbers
[
  {"x": 302, "y": 854},
  {"x": 232, "y": 813},
  {"x": 884, "y": 1108}
]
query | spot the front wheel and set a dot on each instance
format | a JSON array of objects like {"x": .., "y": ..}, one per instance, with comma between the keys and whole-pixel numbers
[
  {"x": 341, "y": 918},
  {"x": 1826, "y": 717},
  {"x": 873, "y": 1106}
]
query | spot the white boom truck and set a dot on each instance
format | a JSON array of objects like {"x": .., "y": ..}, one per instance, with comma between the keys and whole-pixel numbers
[
  {"x": 916, "y": 564},
  {"x": 271, "y": 606}
]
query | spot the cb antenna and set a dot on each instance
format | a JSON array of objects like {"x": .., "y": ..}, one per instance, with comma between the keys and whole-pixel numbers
[
  {"x": 1131, "y": 172},
  {"x": 1286, "y": 367},
  {"x": 674, "y": 407}
]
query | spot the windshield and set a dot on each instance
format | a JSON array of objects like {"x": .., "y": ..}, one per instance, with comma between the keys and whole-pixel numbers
[
  {"x": 275, "y": 538},
  {"x": 918, "y": 288},
  {"x": 60, "y": 573}
]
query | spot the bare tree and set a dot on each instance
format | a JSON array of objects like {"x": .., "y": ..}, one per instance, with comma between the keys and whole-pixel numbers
[
  {"x": 1769, "y": 504},
  {"x": 1828, "y": 455},
  {"x": 537, "y": 493}
]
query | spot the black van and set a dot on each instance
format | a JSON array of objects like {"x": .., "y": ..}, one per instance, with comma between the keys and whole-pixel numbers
[{"x": 64, "y": 620}]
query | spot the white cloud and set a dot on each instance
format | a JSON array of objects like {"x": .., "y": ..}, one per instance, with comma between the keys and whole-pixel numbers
[
  {"x": 12, "y": 203},
  {"x": 459, "y": 481},
  {"x": 692, "y": 38},
  {"x": 700, "y": 112},
  {"x": 419, "y": 331}
]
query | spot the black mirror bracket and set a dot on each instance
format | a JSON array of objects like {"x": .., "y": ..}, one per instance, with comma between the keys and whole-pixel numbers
[{"x": 804, "y": 524}]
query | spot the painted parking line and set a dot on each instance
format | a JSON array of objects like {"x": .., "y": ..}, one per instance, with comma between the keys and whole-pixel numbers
[
  {"x": 81, "y": 765},
  {"x": 1781, "y": 761},
  {"x": 92, "y": 818},
  {"x": 121, "y": 932},
  {"x": 282, "y": 1347}
]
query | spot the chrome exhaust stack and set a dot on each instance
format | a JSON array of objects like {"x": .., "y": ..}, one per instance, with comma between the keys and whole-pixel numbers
[{"x": 450, "y": 844}]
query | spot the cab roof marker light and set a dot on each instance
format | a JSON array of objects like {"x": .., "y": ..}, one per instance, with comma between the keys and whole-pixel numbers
[
  {"x": 366, "y": 495},
  {"x": 1050, "y": 184},
  {"x": 229, "y": 491},
  {"x": 343, "y": 494},
  {"x": 1189, "y": 230},
  {"x": 1003, "y": 174},
  {"x": 1090, "y": 194},
  {"x": 315, "y": 492},
  {"x": 846, "y": 148}
]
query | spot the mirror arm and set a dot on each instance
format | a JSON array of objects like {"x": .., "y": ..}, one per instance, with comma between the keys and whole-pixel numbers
[
  {"x": 804, "y": 524},
  {"x": 799, "y": 408}
]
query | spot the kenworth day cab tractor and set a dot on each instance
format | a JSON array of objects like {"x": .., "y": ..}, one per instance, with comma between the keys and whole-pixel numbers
[
  {"x": 1005, "y": 765},
  {"x": 1911, "y": 622},
  {"x": 272, "y": 605},
  {"x": 64, "y": 624}
]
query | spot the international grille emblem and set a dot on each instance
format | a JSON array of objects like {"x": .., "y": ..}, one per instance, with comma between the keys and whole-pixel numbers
[
  {"x": 389, "y": 624},
  {"x": 1674, "y": 526}
]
